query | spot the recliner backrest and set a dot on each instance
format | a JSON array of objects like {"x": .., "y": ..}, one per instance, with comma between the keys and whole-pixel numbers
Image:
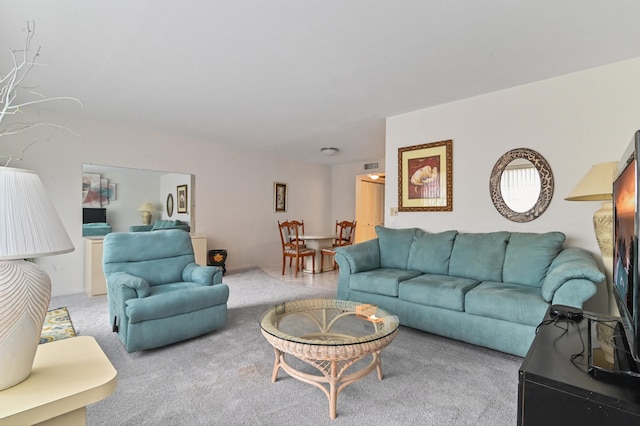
[{"x": 158, "y": 257}]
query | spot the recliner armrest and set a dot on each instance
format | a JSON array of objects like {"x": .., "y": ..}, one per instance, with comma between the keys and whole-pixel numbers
[
  {"x": 123, "y": 279},
  {"x": 205, "y": 275}
]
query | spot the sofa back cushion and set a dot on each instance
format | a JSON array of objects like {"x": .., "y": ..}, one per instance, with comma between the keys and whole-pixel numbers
[
  {"x": 479, "y": 256},
  {"x": 430, "y": 253},
  {"x": 394, "y": 246},
  {"x": 529, "y": 256}
]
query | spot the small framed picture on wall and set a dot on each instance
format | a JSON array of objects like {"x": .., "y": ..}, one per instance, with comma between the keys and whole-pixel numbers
[
  {"x": 182, "y": 199},
  {"x": 279, "y": 197}
]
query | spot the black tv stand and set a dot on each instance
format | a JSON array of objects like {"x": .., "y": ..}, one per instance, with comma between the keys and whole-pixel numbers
[
  {"x": 554, "y": 386},
  {"x": 609, "y": 355}
]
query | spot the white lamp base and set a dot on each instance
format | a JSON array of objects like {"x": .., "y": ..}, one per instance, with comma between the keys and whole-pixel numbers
[
  {"x": 603, "y": 227},
  {"x": 25, "y": 291},
  {"x": 146, "y": 218}
]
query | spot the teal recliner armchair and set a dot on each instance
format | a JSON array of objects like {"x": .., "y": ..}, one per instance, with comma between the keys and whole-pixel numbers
[{"x": 157, "y": 294}]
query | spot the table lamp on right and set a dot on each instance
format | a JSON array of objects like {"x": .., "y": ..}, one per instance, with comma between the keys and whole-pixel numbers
[{"x": 597, "y": 185}]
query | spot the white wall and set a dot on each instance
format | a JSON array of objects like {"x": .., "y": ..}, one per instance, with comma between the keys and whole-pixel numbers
[
  {"x": 574, "y": 121},
  {"x": 234, "y": 190}
]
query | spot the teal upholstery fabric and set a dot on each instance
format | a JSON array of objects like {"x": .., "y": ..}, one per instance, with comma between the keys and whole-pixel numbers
[
  {"x": 381, "y": 281},
  {"x": 495, "y": 291},
  {"x": 437, "y": 290},
  {"x": 365, "y": 258},
  {"x": 479, "y": 256},
  {"x": 430, "y": 253},
  {"x": 170, "y": 224},
  {"x": 156, "y": 293},
  {"x": 140, "y": 228},
  {"x": 95, "y": 229},
  {"x": 205, "y": 275},
  {"x": 170, "y": 300},
  {"x": 509, "y": 302},
  {"x": 141, "y": 287},
  {"x": 571, "y": 263},
  {"x": 394, "y": 246},
  {"x": 529, "y": 256}
]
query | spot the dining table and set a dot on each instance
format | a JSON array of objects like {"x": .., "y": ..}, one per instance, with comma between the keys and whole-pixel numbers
[{"x": 317, "y": 241}]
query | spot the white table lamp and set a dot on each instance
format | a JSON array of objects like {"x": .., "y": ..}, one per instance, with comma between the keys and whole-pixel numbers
[
  {"x": 146, "y": 210},
  {"x": 597, "y": 185},
  {"x": 29, "y": 227}
]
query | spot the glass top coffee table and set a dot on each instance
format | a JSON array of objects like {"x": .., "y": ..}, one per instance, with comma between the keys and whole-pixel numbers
[{"x": 330, "y": 335}]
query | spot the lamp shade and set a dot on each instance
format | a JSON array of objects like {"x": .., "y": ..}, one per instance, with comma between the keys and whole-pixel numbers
[
  {"x": 146, "y": 207},
  {"x": 596, "y": 185},
  {"x": 29, "y": 225}
]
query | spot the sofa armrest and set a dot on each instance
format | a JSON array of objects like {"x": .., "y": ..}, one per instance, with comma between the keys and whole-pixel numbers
[
  {"x": 205, "y": 275},
  {"x": 361, "y": 257},
  {"x": 571, "y": 264},
  {"x": 574, "y": 293},
  {"x": 355, "y": 258},
  {"x": 128, "y": 286}
]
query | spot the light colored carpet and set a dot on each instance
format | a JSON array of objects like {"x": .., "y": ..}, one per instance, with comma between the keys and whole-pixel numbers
[{"x": 224, "y": 377}]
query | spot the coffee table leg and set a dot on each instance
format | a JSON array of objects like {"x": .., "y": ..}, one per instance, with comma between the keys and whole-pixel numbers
[
  {"x": 379, "y": 367},
  {"x": 276, "y": 366}
]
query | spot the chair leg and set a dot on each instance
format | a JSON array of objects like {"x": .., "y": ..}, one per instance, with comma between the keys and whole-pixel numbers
[
  {"x": 313, "y": 263},
  {"x": 284, "y": 258}
]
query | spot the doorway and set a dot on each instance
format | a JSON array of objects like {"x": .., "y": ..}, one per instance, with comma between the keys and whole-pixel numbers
[{"x": 369, "y": 206}]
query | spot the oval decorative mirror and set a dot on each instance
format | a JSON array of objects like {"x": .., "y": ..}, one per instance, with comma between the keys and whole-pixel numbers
[{"x": 521, "y": 185}]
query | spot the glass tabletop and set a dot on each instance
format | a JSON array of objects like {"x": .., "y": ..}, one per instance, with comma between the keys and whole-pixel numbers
[{"x": 328, "y": 322}]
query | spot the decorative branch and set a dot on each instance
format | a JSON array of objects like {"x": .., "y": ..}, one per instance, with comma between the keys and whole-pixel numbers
[{"x": 13, "y": 86}]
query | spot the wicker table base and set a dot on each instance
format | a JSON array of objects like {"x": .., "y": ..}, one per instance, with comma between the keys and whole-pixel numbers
[{"x": 331, "y": 353}]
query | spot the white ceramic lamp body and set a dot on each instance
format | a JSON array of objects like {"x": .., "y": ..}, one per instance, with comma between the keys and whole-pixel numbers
[{"x": 29, "y": 227}]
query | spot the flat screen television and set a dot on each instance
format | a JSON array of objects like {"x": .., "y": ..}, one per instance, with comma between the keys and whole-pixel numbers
[
  {"x": 626, "y": 226},
  {"x": 94, "y": 215}
]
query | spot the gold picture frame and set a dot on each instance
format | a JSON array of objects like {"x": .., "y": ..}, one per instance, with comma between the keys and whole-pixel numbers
[
  {"x": 279, "y": 197},
  {"x": 182, "y": 198},
  {"x": 425, "y": 177}
]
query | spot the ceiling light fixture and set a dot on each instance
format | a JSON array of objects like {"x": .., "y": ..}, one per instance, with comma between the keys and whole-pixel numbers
[
  {"x": 374, "y": 177},
  {"x": 329, "y": 152}
]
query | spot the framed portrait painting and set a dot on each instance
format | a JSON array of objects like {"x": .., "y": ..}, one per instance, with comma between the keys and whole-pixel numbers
[
  {"x": 182, "y": 198},
  {"x": 425, "y": 177},
  {"x": 279, "y": 197}
]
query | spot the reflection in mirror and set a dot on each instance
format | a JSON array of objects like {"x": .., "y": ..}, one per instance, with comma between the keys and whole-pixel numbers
[
  {"x": 127, "y": 190},
  {"x": 521, "y": 185}
]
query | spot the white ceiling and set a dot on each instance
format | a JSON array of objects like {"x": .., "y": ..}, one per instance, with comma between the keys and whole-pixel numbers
[{"x": 293, "y": 76}]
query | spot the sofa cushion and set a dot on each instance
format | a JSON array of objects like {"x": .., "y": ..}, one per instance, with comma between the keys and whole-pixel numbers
[
  {"x": 430, "y": 253},
  {"x": 173, "y": 299},
  {"x": 509, "y": 302},
  {"x": 572, "y": 262},
  {"x": 479, "y": 256},
  {"x": 394, "y": 246},
  {"x": 381, "y": 281},
  {"x": 441, "y": 291},
  {"x": 529, "y": 256}
]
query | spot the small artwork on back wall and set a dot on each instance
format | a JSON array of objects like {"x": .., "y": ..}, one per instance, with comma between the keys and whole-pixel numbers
[{"x": 182, "y": 199}]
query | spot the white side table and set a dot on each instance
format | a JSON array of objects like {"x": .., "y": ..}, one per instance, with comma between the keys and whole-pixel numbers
[{"x": 67, "y": 376}]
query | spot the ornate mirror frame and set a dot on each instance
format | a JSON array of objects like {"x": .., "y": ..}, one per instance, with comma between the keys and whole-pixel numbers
[{"x": 546, "y": 185}]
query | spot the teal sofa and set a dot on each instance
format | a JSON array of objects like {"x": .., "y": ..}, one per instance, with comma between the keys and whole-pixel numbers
[
  {"x": 157, "y": 294},
  {"x": 488, "y": 289},
  {"x": 161, "y": 225}
]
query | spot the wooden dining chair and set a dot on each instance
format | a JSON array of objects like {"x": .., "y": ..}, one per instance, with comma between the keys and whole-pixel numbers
[
  {"x": 289, "y": 237},
  {"x": 345, "y": 231}
]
